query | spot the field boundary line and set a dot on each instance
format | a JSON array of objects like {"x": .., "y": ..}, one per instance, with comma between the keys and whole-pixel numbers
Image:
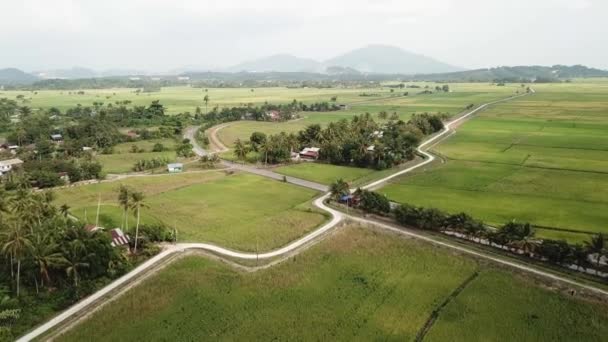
[{"x": 435, "y": 313}]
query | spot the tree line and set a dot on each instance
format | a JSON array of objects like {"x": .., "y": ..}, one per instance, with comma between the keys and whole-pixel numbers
[
  {"x": 518, "y": 237},
  {"x": 360, "y": 142}
]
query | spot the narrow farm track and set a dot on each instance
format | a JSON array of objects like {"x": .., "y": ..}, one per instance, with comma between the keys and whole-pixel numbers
[{"x": 89, "y": 304}]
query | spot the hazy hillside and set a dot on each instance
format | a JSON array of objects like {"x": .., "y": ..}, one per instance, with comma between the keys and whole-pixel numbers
[
  {"x": 72, "y": 73},
  {"x": 518, "y": 74},
  {"x": 278, "y": 63},
  {"x": 12, "y": 76},
  {"x": 374, "y": 59},
  {"x": 389, "y": 60}
]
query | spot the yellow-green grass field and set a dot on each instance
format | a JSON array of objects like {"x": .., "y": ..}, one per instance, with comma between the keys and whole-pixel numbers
[
  {"x": 186, "y": 99},
  {"x": 452, "y": 103},
  {"x": 324, "y": 173},
  {"x": 357, "y": 284},
  {"x": 542, "y": 158},
  {"x": 122, "y": 159},
  {"x": 240, "y": 211}
]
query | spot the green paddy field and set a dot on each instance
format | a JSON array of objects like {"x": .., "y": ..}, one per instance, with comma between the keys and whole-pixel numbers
[
  {"x": 541, "y": 158},
  {"x": 356, "y": 285}
]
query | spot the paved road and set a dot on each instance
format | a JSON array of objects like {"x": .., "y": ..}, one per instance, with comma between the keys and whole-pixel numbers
[
  {"x": 337, "y": 217},
  {"x": 191, "y": 131}
]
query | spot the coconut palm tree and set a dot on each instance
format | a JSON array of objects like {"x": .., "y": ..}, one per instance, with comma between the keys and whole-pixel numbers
[
  {"x": 137, "y": 203},
  {"x": 206, "y": 100},
  {"x": 596, "y": 246},
  {"x": 65, "y": 210},
  {"x": 16, "y": 245},
  {"x": 267, "y": 147},
  {"x": 74, "y": 260},
  {"x": 339, "y": 188},
  {"x": 240, "y": 150},
  {"x": 45, "y": 255},
  {"x": 124, "y": 200}
]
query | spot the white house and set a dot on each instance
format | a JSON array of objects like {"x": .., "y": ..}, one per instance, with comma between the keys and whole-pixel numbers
[
  {"x": 175, "y": 167},
  {"x": 6, "y": 166}
]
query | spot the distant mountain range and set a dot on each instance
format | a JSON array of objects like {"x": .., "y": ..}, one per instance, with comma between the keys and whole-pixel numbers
[
  {"x": 374, "y": 62},
  {"x": 12, "y": 76},
  {"x": 373, "y": 59}
]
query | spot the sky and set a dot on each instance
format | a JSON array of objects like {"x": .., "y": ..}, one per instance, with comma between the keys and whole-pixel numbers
[{"x": 164, "y": 35}]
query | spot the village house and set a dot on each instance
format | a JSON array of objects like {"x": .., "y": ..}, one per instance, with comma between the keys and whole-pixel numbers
[
  {"x": 175, "y": 167},
  {"x": 119, "y": 238},
  {"x": 56, "y": 137},
  {"x": 7, "y": 166},
  {"x": 310, "y": 153},
  {"x": 273, "y": 115}
]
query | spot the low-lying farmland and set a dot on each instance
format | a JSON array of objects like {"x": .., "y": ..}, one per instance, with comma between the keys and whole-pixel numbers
[
  {"x": 541, "y": 158},
  {"x": 323, "y": 173},
  {"x": 123, "y": 158},
  {"x": 453, "y": 103},
  {"x": 238, "y": 211},
  {"x": 356, "y": 285}
]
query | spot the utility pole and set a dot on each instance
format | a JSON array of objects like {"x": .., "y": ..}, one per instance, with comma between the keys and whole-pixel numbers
[{"x": 98, "y": 206}]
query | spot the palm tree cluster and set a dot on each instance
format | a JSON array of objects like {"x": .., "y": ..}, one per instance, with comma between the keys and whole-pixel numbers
[
  {"x": 129, "y": 199},
  {"x": 518, "y": 237},
  {"x": 363, "y": 142},
  {"x": 41, "y": 246}
]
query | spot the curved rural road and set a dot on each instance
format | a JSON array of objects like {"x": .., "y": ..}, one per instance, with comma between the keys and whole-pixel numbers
[{"x": 337, "y": 216}]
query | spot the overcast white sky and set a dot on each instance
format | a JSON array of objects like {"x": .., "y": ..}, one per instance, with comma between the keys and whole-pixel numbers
[{"x": 159, "y": 35}]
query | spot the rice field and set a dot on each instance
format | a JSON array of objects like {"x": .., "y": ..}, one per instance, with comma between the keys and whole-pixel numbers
[
  {"x": 324, "y": 173},
  {"x": 542, "y": 158},
  {"x": 357, "y": 284}
]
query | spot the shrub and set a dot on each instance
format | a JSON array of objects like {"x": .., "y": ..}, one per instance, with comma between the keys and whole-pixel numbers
[
  {"x": 158, "y": 147},
  {"x": 373, "y": 202}
]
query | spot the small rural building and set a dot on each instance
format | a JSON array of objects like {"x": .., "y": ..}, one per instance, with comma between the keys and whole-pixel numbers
[
  {"x": 273, "y": 115},
  {"x": 56, "y": 137},
  {"x": 295, "y": 156},
  {"x": 378, "y": 134},
  {"x": 119, "y": 238},
  {"x": 350, "y": 200},
  {"x": 87, "y": 148},
  {"x": 7, "y": 166},
  {"x": 343, "y": 107},
  {"x": 175, "y": 167},
  {"x": 310, "y": 153},
  {"x": 132, "y": 134}
]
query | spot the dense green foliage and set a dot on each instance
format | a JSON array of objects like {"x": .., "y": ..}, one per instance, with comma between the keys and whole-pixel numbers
[{"x": 49, "y": 258}]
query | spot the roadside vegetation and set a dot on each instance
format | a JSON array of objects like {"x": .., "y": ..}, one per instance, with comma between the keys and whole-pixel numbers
[{"x": 514, "y": 237}]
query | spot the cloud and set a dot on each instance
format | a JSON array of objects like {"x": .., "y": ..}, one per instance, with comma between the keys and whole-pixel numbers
[{"x": 162, "y": 34}]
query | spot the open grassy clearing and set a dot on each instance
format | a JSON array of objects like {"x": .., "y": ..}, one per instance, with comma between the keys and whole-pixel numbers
[
  {"x": 239, "y": 211},
  {"x": 482, "y": 313},
  {"x": 323, "y": 173},
  {"x": 541, "y": 158},
  {"x": 356, "y": 285},
  {"x": 123, "y": 160},
  {"x": 185, "y": 99}
]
